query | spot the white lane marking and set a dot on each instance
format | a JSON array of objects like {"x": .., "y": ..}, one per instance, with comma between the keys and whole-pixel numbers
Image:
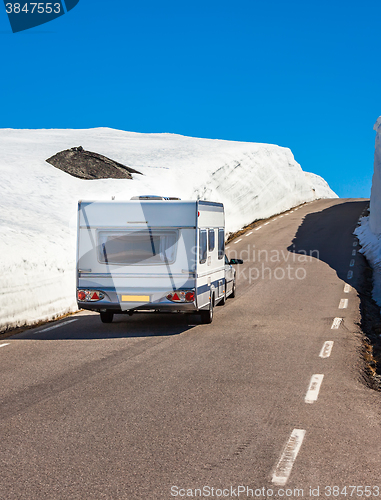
[
  {"x": 266, "y": 223},
  {"x": 258, "y": 228},
  {"x": 226, "y": 248},
  {"x": 352, "y": 263},
  {"x": 286, "y": 214},
  {"x": 355, "y": 243},
  {"x": 326, "y": 349},
  {"x": 353, "y": 253},
  {"x": 248, "y": 234},
  {"x": 3, "y": 345},
  {"x": 237, "y": 241},
  {"x": 313, "y": 389},
  {"x": 347, "y": 288},
  {"x": 291, "y": 212},
  {"x": 280, "y": 216},
  {"x": 290, "y": 452},
  {"x": 336, "y": 323},
  {"x": 55, "y": 326},
  {"x": 343, "y": 304},
  {"x": 350, "y": 275}
]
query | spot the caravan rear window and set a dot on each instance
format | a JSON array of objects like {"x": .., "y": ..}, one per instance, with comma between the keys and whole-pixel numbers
[{"x": 137, "y": 247}]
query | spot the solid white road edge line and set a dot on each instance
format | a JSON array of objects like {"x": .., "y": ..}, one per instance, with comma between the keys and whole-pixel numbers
[
  {"x": 55, "y": 326},
  {"x": 237, "y": 241},
  {"x": 347, "y": 288},
  {"x": 313, "y": 388},
  {"x": 290, "y": 452},
  {"x": 343, "y": 304},
  {"x": 350, "y": 275},
  {"x": 3, "y": 345},
  {"x": 336, "y": 323},
  {"x": 326, "y": 349}
]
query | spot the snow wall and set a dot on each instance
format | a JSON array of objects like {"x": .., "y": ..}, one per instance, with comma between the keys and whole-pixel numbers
[
  {"x": 369, "y": 232},
  {"x": 38, "y": 202}
]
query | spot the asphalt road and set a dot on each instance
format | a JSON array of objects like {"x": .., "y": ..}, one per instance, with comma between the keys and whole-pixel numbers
[{"x": 159, "y": 406}]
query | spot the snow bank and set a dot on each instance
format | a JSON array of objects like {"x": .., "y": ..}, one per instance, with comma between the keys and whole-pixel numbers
[
  {"x": 369, "y": 232},
  {"x": 38, "y": 202}
]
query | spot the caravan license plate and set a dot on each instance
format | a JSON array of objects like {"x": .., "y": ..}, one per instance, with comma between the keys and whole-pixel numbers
[{"x": 135, "y": 298}]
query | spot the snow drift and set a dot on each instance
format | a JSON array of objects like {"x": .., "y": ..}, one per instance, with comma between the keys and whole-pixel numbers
[
  {"x": 369, "y": 232},
  {"x": 39, "y": 202}
]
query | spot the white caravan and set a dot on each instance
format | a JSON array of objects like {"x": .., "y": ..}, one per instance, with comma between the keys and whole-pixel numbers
[{"x": 152, "y": 253}]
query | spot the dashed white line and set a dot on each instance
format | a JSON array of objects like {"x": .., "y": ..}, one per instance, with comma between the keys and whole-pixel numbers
[
  {"x": 55, "y": 326},
  {"x": 355, "y": 243},
  {"x": 258, "y": 228},
  {"x": 313, "y": 389},
  {"x": 347, "y": 288},
  {"x": 336, "y": 323},
  {"x": 350, "y": 275},
  {"x": 352, "y": 263},
  {"x": 290, "y": 452},
  {"x": 326, "y": 349},
  {"x": 266, "y": 223},
  {"x": 280, "y": 216},
  {"x": 343, "y": 304},
  {"x": 248, "y": 234},
  {"x": 353, "y": 253},
  {"x": 237, "y": 241},
  {"x": 3, "y": 345}
]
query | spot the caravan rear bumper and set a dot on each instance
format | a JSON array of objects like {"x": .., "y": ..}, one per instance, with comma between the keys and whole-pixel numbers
[
  {"x": 135, "y": 299},
  {"x": 117, "y": 308}
]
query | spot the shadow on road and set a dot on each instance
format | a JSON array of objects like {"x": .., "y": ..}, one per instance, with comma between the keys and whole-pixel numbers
[
  {"x": 88, "y": 326},
  {"x": 328, "y": 236}
]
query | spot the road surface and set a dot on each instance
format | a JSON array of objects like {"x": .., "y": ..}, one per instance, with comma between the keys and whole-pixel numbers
[{"x": 268, "y": 401}]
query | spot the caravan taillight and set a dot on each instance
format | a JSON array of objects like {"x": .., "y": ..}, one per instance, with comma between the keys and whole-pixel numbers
[
  {"x": 181, "y": 296},
  {"x": 89, "y": 295}
]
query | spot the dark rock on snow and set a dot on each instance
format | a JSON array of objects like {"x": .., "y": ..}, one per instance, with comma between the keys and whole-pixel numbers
[{"x": 87, "y": 165}]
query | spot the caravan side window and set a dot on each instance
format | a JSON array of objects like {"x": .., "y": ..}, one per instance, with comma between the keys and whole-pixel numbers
[
  {"x": 211, "y": 240},
  {"x": 203, "y": 246},
  {"x": 221, "y": 243}
]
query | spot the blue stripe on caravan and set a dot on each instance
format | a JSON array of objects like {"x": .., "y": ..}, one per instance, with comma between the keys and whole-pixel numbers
[{"x": 206, "y": 288}]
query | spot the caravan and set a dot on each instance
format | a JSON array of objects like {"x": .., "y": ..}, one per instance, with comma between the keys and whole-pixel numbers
[{"x": 152, "y": 254}]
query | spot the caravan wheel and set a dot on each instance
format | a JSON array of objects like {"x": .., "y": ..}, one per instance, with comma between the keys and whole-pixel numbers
[
  {"x": 107, "y": 317},
  {"x": 207, "y": 315}
]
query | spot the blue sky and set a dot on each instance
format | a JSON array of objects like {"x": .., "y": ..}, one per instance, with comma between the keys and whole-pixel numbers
[{"x": 304, "y": 75}]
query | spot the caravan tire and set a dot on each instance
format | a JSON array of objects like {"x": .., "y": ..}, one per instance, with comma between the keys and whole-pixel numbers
[
  {"x": 207, "y": 315},
  {"x": 107, "y": 317}
]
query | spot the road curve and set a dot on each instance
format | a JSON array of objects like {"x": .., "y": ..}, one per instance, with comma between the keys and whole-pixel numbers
[{"x": 269, "y": 397}]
